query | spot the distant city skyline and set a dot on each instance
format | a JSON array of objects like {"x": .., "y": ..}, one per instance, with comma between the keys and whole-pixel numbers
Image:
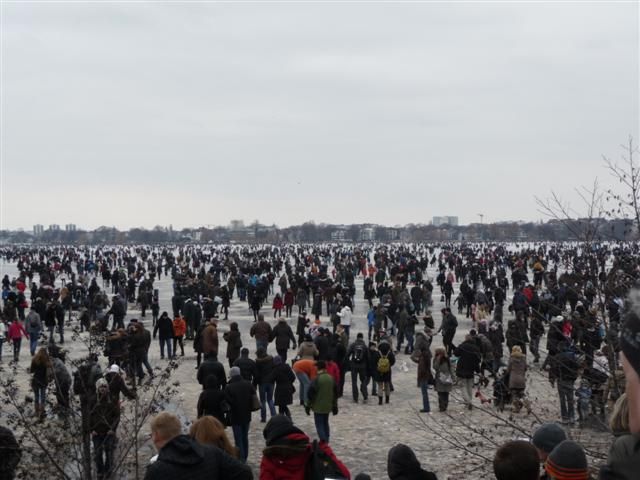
[{"x": 144, "y": 114}]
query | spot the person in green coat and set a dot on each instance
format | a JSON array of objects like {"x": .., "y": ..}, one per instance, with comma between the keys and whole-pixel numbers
[{"x": 323, "y": 400}]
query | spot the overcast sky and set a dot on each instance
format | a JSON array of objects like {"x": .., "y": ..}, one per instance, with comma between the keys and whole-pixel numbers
[{"x": 190, "y": 114}]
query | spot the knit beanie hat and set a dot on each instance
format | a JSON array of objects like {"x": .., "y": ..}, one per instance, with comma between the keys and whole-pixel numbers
[
  {"x": 567, "y": 462},
  {"x": 630, "y": 339},
  {"x": 548, "y": 436},
  {"x": 234, "y": 372}
]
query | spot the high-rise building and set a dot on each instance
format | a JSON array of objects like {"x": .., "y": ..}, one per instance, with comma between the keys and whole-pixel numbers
[
  {"x": 54, "y": 227},
  {"x": 37, "y": 230},
  {"x": 446, "y": 220},
  {"x": 70, "y": 227}
]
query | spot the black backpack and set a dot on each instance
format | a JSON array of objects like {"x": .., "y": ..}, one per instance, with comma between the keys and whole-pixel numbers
[{"x": 321, "y": 466}]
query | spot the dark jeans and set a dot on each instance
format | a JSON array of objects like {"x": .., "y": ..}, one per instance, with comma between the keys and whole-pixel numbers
[
  {"x": 282, "y": 353},
  {"x": 16, "y": 348},
  {"x": 167, "y": 342},
  {"x": 305, "y": 382},
  {"x": 362, "y": 373},
  {"x": 241, "y": 439},
  {"x": 266, "y": 398},
  {"x": 424, "y": 388},
  {"x": 176, "y": 341},
  {"x": 322, "y": 426},
  {"x": 103, "y": 447},
  {"x": 34, "y": 335},
  {"x": 565, "y": 390}
]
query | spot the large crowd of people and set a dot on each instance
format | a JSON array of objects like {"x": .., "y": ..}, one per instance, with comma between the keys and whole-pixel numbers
[{"x": 567, "y": 312}]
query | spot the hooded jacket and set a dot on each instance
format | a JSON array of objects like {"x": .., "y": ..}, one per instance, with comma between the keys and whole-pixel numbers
[
  {"x": 402, "y": 464},
  {"x": 183, "y": 458},
  {"x": 287, "y": 452}
]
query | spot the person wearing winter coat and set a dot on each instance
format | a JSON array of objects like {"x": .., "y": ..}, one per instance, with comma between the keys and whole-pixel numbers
[
  {"x": 564, "y": 370},
  {"x": 277, "y": 305},
  {"x": 323, "y": 400},
  {"x": 469, "y": 357},
  {"x": 234, "y": 343},
  {"x": 164, "y": 326},
  {"x": 239, "y": 394},
  {"x": 15, "y": 333},
  {"x": 383, "y": 360},
  {"x": 448, "y": 328},
  {"x": 40, "y": 365},
  {"x": 536, "y": 331},
  {"x": 516, "y": 370},
  {"x": 264, "y": 367},
  {"x": 211, "y": 366},
  {"x": 247, "y": 366},
  {"x": 210, "y": 339},
  {"x": 443, "y": 378},
  {"x": 179, "y": 331},
  {"x": 402, "y": 464},
  {"x": 288, "y": 451},
  {"x": 180, "y": 456},
  {"x": 357, "y": 357},
  {"x": 61, "y": 380},
  {"x": 283, "y": 377},
  {"x": 211, "y": 400},
  {"x": 262, "y": 332},
  {"x": 346, "y": 317},
  {"x": 306, "y": 371},
  {"x": 117, "y": 385},
  {"x": 496, "y": 337},
  {"x": 283, "y": 336},
  {"x": 308, "y": 349},
  {"x": 289, "y": 300},
  {"x": 301, "y": 327},
  {"x": 425, "y": 377},
  {"x": 103, "y": 422},
  {"x": 33, "y": 326}
]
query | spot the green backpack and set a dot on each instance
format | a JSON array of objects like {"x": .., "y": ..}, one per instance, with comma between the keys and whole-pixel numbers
[{"x": 384, "y": 365}]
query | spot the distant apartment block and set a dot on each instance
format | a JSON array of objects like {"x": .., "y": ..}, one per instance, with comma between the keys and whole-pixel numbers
[
  {"x": 54, "y": 227},
  {"x": 440, "y": 221},
  {"x": 38, "y": 230},
  {"x": 70, "y": 227}
]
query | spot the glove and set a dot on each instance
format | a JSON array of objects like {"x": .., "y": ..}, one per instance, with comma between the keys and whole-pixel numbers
[
  {"x": 334, "y": 410},
  {"x": 307, "y": 410}
]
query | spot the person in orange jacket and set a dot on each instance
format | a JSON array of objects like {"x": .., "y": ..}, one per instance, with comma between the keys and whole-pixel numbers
[{"x": 179, "y": 329}]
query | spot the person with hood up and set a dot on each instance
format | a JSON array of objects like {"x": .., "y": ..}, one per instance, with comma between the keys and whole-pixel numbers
[
  {"x": 288, "y": 451},
  {"x": 517, "y": 369},
  {"x": 181, "y": 457},
  {"x": 402, "y": 464}
]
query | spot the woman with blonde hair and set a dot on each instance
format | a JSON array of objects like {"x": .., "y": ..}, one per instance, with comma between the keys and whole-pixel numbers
[
  {"x": 209, "y": 430},
  {"x": 517, "y": 379}
]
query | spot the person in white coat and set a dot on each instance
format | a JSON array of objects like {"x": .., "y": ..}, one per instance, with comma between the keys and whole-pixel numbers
[{"x": 346, "y": 316}]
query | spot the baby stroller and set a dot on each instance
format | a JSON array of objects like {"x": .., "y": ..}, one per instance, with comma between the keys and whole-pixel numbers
[{"x": 501, "y": 393}]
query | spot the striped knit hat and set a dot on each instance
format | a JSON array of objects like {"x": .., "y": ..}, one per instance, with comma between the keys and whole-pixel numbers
[{"x": 567, "y": 462}]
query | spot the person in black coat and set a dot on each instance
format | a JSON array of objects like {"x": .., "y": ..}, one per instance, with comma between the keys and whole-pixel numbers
[
  {"x": 180, "y": 456},
  {"x": 247, "y": 366},
  {"x": 283, "y": 377},
  {"x": 264, "y": 366},
  {"x": 212, "y": 402},
  {"x": 239, "y": 395},
  {"x": 322, "y": 344},
  {"x": 164, "y": 325},
  {"x": 283, "y": 336},
  {"x": 211, "y": 366},
  {"x": 469, "y": 357},
  {"x": 382, "y": 379}
]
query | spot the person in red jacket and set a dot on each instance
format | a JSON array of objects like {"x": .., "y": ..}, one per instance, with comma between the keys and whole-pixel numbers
[
  {"x": 16, "y": 331},
  {"x": 277, "y": 306},
  {"x": 288, "y": 451}
]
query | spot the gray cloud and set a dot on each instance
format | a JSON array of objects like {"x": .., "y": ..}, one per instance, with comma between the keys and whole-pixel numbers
[{"x": 137, "y": 114}]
